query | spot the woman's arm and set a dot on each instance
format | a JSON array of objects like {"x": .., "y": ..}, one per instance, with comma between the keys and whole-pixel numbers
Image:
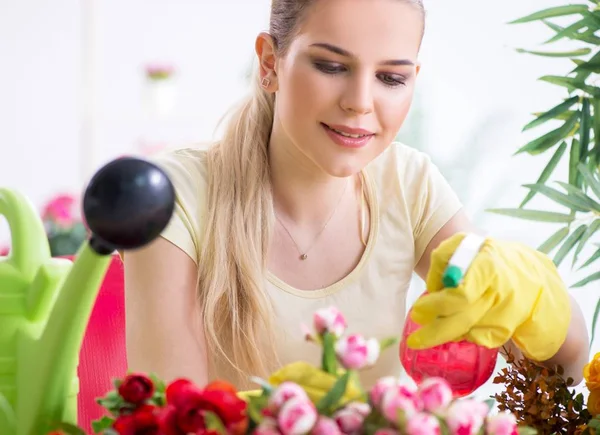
[
  {"x": 574, "y": 352},
  {"x": 160, "y": 301}
]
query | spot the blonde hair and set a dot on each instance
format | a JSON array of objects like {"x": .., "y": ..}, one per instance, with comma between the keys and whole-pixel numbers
[{"x": 233, "y": 258}]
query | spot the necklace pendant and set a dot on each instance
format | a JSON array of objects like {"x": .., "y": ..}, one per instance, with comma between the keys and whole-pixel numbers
[{"x": 303, "y": 257}]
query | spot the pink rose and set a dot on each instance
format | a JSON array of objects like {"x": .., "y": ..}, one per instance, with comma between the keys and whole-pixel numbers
[
  {"x": 4, "y": 251},
  {"x": 326, "y": 426},
  {"x": 501, "y": 424},
  {"x": 380, "y": 388},
  {"x": 329, "y": 320},
  {"x": 423, "y": 424},
  {"x": 466, "y": 417},
  {"x": 351, "y": 417},
  {"x": 400, "y": 398},
  {"x": 435, "y": 394},
  {"x": 284, "y": 392},
  {"x": 354, "y": 352},
  {"x": 268, "y": 426},
  {"x": 297, "y": 416}
]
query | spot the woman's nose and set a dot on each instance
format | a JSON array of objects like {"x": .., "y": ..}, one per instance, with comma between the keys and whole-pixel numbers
[{"x": 358, "y": 96}]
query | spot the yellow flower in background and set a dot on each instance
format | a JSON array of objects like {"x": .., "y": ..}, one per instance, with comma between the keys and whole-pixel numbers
[
  {"x": 593, "y": 402},
  {"x": 591, "y": 373}
]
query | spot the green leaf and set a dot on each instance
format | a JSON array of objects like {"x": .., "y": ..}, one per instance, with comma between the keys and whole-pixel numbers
[
  {"x": 584, "y": 129},
  {"x": 387, "y": 342},
  {"x": 554, "y": 240},
  {"x": 590, "y": 180},
  {"x": 104, "y": 423},
  {"x": 574, "y": 159},
  {"x": 255, "y": 406},
  {"x": 591, "y": 230},
  {"x": 576, "y": 192},
  {"x": 569, "y": 244},
  {"x": 593, "y": 277},
  {"x": 573, "y": 53},
  {"x": 551, "y": 138},
  {"x": 595, "y": 256},
  {"x": 552, "y": 113},
  {"x": 213, "y": 422},
  {"x": 545, "y": 175},
  {"x": 333, "y": 396},
  {"x": 594, "y": 322},
  {"x": 565, "y": 200},
  {"x": 571, "y": 83},
  {"x": 534, "y": 215},
  {"x": 557, "y": 11},
  {"x": 571, "y": 31},
  {"x": 329, "y": 359},
  {"x": 596, "y": 128},
  {"x": 68, "y": 428},
  {"x": 592, "y": 66},
  {"x": 8, "y": 413},
  {"x": 526, "y": 430}
]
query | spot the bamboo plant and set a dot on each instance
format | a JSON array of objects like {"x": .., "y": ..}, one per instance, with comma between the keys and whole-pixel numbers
[{"x": 570, "y": 130}]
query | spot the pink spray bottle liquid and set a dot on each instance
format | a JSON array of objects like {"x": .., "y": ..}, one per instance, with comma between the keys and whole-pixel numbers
[{"x": 464, "y": 365}]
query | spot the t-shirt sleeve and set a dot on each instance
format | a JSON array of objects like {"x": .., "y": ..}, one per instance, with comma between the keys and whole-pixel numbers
[{"x": 434, "y": 202}]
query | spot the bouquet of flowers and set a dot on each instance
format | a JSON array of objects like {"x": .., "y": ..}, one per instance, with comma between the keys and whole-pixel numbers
[{"x": 141, "y": 404}]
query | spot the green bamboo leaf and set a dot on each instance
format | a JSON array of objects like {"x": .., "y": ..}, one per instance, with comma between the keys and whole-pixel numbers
[
  {"x": 596, "y": 128},
  {"x": 545, "y": 175},
  {"x": 574, "y": 159},
  {"x": 594, "y": 322},
  {"x": 568, "y": 201},
  {"x": 534, "y": 215},
  {"x": 573, "y": 53},
  {"x": 548, "y": 140},
  {"x": 593, "y": 277},
  {"x": 589, "y": 232},
  {"x": 570, "y": 31},
  {"x": 552, "y": 113},
  {"x": 585, "y": 123},
  {"x": 590, "y": 180},
  {"x": 557, "y": 11},
  {"x": 569, "y": 244},
  {"x": 571, "y": 83},
  {"x": 553, "y": 240},
  {"x": 592, "y": 66},
  {"x": 585, "y": 37},
  {"x": 595, "y": 256},
  {"x": 576, "y": 192}
]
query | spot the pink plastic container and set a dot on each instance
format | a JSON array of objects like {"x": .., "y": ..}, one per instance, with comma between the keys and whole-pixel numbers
[{"x": 464, "y": 365}]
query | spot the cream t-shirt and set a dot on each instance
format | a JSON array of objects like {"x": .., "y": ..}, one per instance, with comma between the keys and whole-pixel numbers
[{"x": 409, "y": 203}]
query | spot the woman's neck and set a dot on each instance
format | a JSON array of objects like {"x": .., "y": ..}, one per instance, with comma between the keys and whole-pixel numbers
[{"x": 303, "y": 193}]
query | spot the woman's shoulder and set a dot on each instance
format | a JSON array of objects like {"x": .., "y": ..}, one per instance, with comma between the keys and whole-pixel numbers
[
  {"x": 400, "y": 163},
  {"x": 183, "y": 164}
]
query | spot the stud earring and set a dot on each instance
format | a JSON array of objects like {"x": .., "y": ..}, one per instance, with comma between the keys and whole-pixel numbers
[{"x": 265, "y": 82}]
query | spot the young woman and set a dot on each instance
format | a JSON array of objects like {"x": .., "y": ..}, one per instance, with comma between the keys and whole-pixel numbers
[{"x": 306, "y": 202}]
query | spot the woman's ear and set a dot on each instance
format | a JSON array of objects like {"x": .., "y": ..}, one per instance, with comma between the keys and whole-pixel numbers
[{"x": 265, "y": 51}]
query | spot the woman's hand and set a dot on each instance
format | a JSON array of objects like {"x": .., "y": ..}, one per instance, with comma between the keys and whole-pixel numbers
[{"x": 510, "y": 292}]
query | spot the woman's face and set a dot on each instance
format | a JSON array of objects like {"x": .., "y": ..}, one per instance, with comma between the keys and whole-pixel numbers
[{"x": 350, "y": 71}]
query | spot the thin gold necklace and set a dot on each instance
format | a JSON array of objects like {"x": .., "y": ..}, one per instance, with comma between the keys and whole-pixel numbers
[{"x": 304, "y": 254}]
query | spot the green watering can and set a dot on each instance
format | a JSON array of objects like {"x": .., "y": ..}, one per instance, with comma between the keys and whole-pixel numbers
[{"x": 45, "y": 302}]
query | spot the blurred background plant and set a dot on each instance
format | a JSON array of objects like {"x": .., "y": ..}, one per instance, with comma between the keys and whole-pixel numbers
[
  {"x": 64, "y": 226},
  {"x": 569, "y": 136}
]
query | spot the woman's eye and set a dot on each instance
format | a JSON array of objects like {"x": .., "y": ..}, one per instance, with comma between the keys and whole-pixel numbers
[
  {"x": 392, "y": 80},
  {"x": 330, "y": 68}
]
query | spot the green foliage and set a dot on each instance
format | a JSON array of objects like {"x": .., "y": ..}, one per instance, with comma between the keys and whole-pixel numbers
[{"x": 569, "y": 130}]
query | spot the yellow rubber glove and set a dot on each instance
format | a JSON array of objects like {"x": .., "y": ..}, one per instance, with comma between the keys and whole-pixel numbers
[
  {"x": 314, "y": 381},
  {"x": 510, "y": 291}
]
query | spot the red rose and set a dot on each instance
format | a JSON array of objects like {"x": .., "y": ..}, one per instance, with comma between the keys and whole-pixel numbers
[
  {"x": 142, "y": 421},
  {"x": 136, "y": 388},
  {"x": 188, "y": 404}
]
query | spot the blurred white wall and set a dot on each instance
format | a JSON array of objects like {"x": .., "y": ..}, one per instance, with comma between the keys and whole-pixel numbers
[{"x": 71, "y": 81}]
